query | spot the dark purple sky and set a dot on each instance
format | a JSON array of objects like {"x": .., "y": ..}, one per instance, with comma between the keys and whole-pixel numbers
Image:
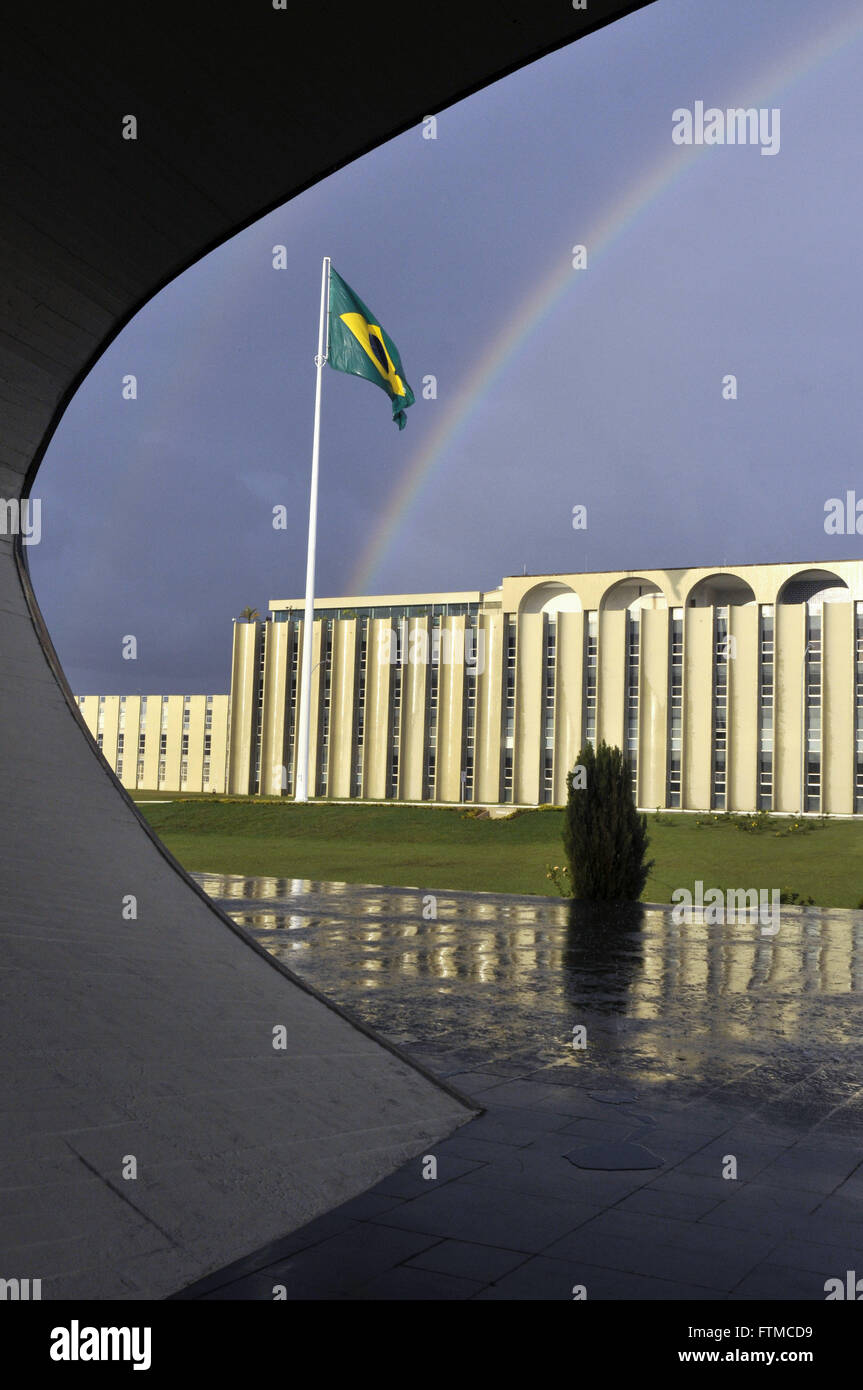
[{"x": 157, "y": 513}]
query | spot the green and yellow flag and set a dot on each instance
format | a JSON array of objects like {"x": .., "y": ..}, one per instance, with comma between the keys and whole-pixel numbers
[{"x": 358, "y": 345}]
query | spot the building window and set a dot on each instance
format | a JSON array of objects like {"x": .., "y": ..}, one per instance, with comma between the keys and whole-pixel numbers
[
  {"x": 720, "y": 707},
  {"x": 396, "y": 703},
  {"x": 765, "y": 706},
  {"x": 675, "y": 708},
  {"x": 812, "y": 707},
  {"x": 549, "y": 668},
  {"x": 326, "y": 688},
  {"x": 631, "y": 721},
  {"x": 292, "y": 709},
  {"x": 509, "y": 707},
  {"x": 469, "y": 752},
  {"x": 507, "y": 775},
  {"x": 119, "y": 767},
  {"x": 361, "y": 706},
  {"x": 432, "y": 717},
  {"x": 591, "y": 644}
]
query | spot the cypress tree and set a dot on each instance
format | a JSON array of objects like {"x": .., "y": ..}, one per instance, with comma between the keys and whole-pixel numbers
[{"x": 604, "y": 837}]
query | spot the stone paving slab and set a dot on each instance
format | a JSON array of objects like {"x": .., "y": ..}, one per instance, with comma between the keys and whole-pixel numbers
[
  {"x": 486, "y": 1263},
  {"x": 509, "y": 1218},
  {"x": 408, "y": 1282},
  {"x": 548, "y": 1279},
  {"x": 490, "y": 1215}
]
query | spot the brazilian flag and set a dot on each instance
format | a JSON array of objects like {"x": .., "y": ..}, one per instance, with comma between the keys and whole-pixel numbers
[{"x": 358, "y": 345}]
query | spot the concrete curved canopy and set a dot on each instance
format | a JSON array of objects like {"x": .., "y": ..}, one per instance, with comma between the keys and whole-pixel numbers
[
  {"x": 151, "y": 1036},
  {"x": 551, "y": 598}
]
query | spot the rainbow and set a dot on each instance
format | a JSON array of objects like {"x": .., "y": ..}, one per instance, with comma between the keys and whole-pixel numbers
[{"x": 560, "y": 282}]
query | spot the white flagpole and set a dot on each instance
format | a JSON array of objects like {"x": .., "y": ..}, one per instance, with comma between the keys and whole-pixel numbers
[{"x": 302, "y": 787}]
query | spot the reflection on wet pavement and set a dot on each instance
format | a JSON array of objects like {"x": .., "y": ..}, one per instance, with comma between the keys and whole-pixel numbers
[
  {"x": 496, "y": 978},
  {"x": 672, "y": 1111}
]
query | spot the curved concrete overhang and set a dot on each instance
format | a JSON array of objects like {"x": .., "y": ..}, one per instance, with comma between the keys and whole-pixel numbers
[
  {"x": 675, "y": 587},
  {"x": 720, "y": 587},
  {"x": 150, "y": 1037},
  {"x": 634, "y": 592}
]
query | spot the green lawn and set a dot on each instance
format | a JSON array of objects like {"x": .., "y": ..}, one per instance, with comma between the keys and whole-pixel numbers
[{"x": 433, "y": 847}]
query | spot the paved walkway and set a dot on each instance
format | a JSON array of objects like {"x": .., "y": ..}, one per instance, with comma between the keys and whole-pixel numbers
[{"x": 705, "y": 1047}]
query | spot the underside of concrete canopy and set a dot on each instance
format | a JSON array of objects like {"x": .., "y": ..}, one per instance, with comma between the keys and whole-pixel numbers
[{"x": 139, "y": 1026}]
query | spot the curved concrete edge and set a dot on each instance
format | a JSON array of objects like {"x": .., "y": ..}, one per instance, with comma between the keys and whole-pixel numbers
[
  {"x": 53, "y": 661},
  {"x": 160, "y": 1134},
  {"x": 148, "y": 1039}
]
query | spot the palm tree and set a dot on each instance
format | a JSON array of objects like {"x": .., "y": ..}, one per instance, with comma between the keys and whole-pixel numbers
[{"x": 249, "y": 615}]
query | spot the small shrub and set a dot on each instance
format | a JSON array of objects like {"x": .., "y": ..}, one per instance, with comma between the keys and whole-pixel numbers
[
  {"x": 789, "y": 896},
  {"x": 559, "y": 876}
]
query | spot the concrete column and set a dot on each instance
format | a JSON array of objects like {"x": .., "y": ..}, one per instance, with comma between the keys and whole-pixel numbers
[
  {"x": 790, "y": 639},
  {"x": 315, "y": 707},
  {"x": 489, "y": 709},
  {"x": 611, "y": 676},
  {"x": 111, "y": 708},
  {"x": 130, "y": 742},
  {"x": 653, "y": 706},
  {"x": 243, "y": 688},
  {"x": 152, "y": 727},
  {"x": 742, "y": 716},
  {"x": 377, "y": 720},
  {"x": 219, "y": 744},
  {"x": 173, "y": 743},
  {"x": 697, "y": 741},
  {"x": 195, "y": 759},
  {"x": 568, "y": 699},
  {"x": 414, "y": 706},
  {"x": 528, "y": 708},
  {"x": 90, "y": 712},
  {"x": 837, "y": 716},
  {"x": 343, "y": 690},
  {"x": 276, "y": 655},
  {"x": 295, "y": 645},
  {"x": 450, "y": 709}
]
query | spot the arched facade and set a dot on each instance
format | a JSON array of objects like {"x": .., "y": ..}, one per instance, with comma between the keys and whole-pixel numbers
[
  {"x": 551, "y": 598},
  {"x": 734, "y": 690}
]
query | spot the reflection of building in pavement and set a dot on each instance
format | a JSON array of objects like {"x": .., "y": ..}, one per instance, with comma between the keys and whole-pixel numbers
[{"x": 515, "y": 973}]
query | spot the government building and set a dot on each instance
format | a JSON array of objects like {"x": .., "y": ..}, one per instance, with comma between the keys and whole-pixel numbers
[{"x": 737, "y": 689}]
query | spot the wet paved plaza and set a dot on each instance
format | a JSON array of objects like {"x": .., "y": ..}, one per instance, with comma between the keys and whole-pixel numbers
[{"x": 726, "y": 1063}]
